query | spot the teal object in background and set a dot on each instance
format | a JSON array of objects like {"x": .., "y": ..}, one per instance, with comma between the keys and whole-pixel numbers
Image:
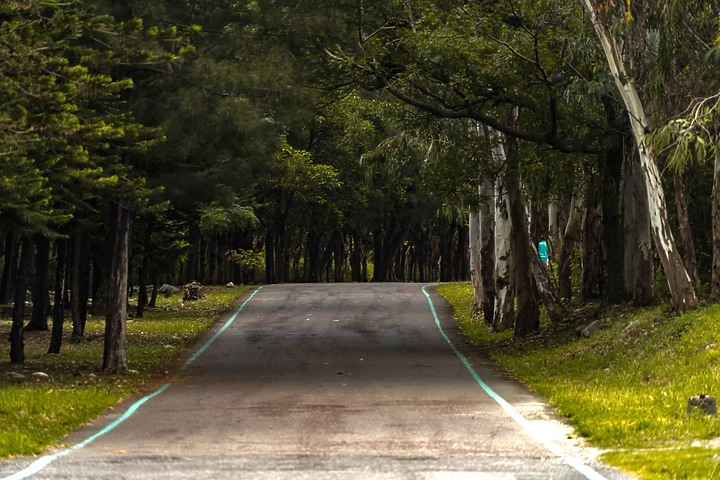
[{"x": 543, "y": 251}]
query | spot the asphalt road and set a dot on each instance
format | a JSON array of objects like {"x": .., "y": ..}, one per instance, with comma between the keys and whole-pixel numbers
[{"x": 329, "y": 381}]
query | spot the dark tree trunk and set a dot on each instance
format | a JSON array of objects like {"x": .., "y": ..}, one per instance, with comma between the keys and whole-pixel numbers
[
  {"x": 39, "y": 288},
  {"x": 270, "y": 256},
  {"x": 462, "y": 258},
  {"x": 114, "y": 360},
  {"x": 9, "y": 268},
  {"x": 528, "y": 311},
  {"x": 687, "y": 243},
  {"x": 155, "y": 282},
  {"x": 715, "y": 276},
  {"x": 614, "y": 287},
  {"x": 380, "y": 270},
  {"x": 144, "y": 271},
  {"x": 592, "y": 247},
  {"x": 17, "y": 341},
  {"x": 85, "y": 262},
  {"x": 546, "y": 290},
  {"x": 99, "y": 285},
  {"x": 572, "y": 230},
  {"x": 339, "y": 258},
  {"x": 58, "y": 303},
  {"x": 313, "y": 261},
  {"x": 191, "y": 267},
  {"x": 75, "y": 261},
  {"x": 639, "y": 268},
  {"x": 487, "y": 253},
  {"x": 356, "y": 256}
]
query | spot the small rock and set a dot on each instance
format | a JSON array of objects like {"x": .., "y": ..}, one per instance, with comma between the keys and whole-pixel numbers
[
  {"x": 16, "y": 376},
  {"x": 631, "y": 325},
  {"x": 40, "y": 375},
  {"x": 132, "y": 372},
  {"x": 168, "y": 290},
  {"x": 588, "y": 330},
  {"x": 702, "y": 404},
  {"x": 230, "y": 285}
]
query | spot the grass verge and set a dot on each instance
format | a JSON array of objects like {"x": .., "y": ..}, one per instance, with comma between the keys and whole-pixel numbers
[
  {"x": 626, "y": 387},
  {"x": 37, "y": 411}
]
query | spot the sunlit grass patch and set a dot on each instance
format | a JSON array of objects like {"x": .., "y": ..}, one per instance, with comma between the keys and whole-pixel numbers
[
  {"x": 681, "y": 463},
  {"x": 625, "y": 387},
  {"x": 37, "y": 411}
]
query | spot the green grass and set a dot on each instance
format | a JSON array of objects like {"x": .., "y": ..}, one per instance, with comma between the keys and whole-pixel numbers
[
  {"x": 626, "y": 387},
  {"x": 36, "y": 413}
]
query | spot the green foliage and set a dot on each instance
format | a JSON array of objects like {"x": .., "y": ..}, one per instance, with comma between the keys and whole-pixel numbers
[
  {"x": 247, "y": 259},
  {"x": 215, "y": 219}
]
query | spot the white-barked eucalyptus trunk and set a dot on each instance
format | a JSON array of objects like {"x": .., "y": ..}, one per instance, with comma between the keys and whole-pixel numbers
[{"x": 681, "y": 287}]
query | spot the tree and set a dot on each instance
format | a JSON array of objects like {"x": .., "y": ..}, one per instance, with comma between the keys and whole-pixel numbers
[{"x": 681, "y": 287}]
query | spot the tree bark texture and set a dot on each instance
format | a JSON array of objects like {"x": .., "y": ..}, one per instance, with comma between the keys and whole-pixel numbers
[
  {"x": 572, "y": 230},
  {"x": 9, "y": 268},
  {"x": 681, "y": 286},
  {"x": 114, "y": 359},
  {"x": 39, "y": 288},
  {"x": 504, "y": 310},
  {"x": 58, "y": 303},
  {"x": 715, "y": 277},
  {"x": 475, "y": 259},
  {"x": 614, "y": 285},
  {"x": 546, "y": 291},
  {"x": 527, "y": 319},
  {"x": 638, "y": 254},
  {"x": 144, "y": 271},
  {"x": 592, "y": 254},
  {"x": 487, "y": 251},
  {"x": 75, "y": 260},
  {"x": 686, "y": 237},
  {"x": 17, "y": 341}
]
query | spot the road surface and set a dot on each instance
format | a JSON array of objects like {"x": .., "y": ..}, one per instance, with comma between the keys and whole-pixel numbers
[{"x": 328, "y": 381}]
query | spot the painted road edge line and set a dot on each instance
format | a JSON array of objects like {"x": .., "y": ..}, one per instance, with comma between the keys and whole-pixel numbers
[
  {"x": 578, "y": 465},
  {"x": 43, "y": 462}
]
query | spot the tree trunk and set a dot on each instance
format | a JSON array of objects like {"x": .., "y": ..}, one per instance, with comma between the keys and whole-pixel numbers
[
  {"x": 58, "y": 304},
  {"x": 639, "y": 268},
  {"x": 686, "y": 237},
  {"x": 546, "y": 290},
  {"x": 614, "y": 286},
  {"x": 715, "y": 279},
  {"x": 475, "y": 260},
  {"x": 75, "y": 259},
  {"x": 39, "y": 289},
  {"x": 356, "y": 256},
  {"x": 591, "y": 246},
  {"x": 681, "y": 286},
  {"x": 9, "y": 268},
  {"x": 17, "y": 341},
  {"x": 487, "y": 251},
  {"x": 144, "y": 271},
  {"x": 504, "y": 311},
  {"x": 155, "y": 282},
  {"x": 85, "y": 262},
  {"x": 553, "y": 229},
  {"x": 572, "y": 229},
  {"x": 270, "y": 256},
  {"x": 527, "y": 319},
  {"x": 114, "y": 360},
  {"x": 462, "y": 255}
]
